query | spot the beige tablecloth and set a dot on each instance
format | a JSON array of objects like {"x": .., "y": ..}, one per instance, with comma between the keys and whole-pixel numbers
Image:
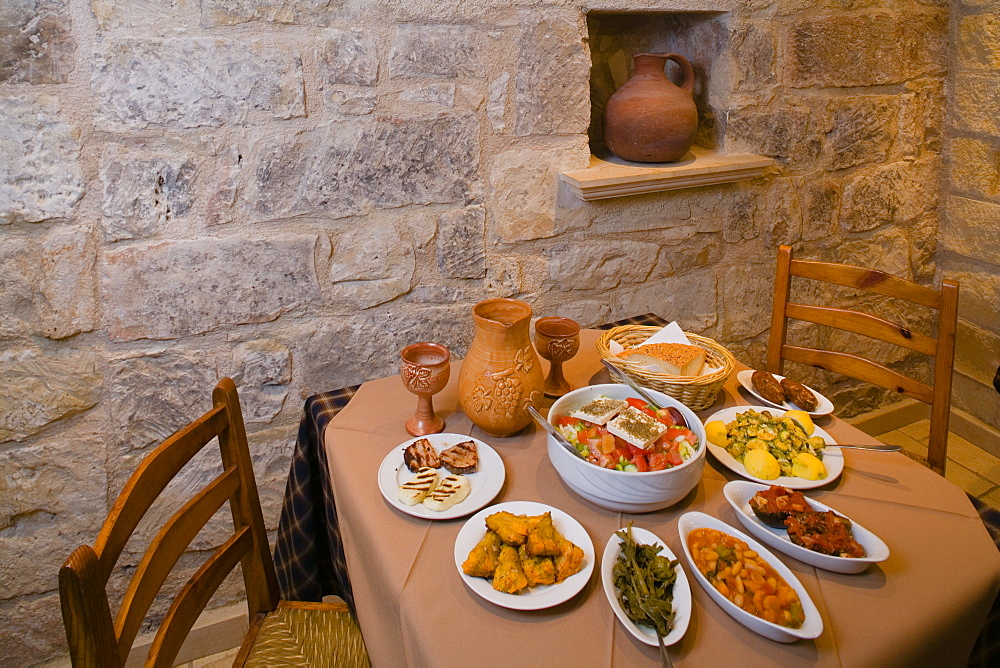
[{"x": 925, "y": 604}]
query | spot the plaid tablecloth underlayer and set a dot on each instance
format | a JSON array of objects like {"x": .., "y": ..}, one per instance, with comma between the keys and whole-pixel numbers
[{"x": 309, "y": 552}]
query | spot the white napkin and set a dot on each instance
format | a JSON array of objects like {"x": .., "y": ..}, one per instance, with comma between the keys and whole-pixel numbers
[{"x": 672, "y": 333}]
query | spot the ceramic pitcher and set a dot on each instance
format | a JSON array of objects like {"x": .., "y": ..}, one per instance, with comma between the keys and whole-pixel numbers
[
  {"x": 649, "y": 119},
  {"x": 501, "y": 375}
]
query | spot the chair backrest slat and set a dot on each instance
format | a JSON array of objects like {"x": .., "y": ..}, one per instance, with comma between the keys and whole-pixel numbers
[
  {"x": 194, "y": 596},
  {"x": 95, "y": 638},
  {"x": 147, "y": 482},
  {"x": 167, "y": 547},
  {"x": 871, "y": 280},
  {"x": 860, "y": 368},
  {"x": 942, "y": 348},
  {"x": 865, "y": 324}
]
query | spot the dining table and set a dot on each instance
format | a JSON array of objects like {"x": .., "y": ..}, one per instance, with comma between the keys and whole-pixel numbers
[{"x": 924, "y": 605}]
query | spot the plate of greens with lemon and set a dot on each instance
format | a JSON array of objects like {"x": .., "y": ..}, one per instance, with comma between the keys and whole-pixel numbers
[{"x": 773, "y": 446}]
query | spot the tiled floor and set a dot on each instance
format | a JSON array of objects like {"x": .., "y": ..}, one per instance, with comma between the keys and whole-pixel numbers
[{"x": 970, "y": 467}]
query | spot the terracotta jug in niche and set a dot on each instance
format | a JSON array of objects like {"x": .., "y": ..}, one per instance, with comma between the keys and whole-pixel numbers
[
  {"x": 501, "y": 375},
  {"x": 649, "y": 119}
]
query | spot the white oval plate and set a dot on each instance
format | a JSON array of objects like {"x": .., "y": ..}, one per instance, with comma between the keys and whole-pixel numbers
[
  {"x": 833, "y": 458},
  {"x": 486, "y": 482},
  {"x": 738, "y": 493},
  {"x": 533, "y": 598},
  {"x": 823, "y": 405},
  {"x": 682, "y": 590},
  {"x": 813, "y": 625}
]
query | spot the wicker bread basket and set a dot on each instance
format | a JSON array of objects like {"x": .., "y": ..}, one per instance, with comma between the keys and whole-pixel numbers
[{"x": 695, "y": 392}]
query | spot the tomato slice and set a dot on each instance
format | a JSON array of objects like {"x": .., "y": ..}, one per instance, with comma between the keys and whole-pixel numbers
[
  {"x": 635, "y": 450},
  {"x": 567, "y": 420},
  {"x": 666, "y": 417},
  {"x": 636, "y": 403},
  {"x": 674, "y": 458},
  {"x": 607, "y": 442},
  {"x": 658, "y": 461},
  {"x": 587, "y": 434},
  {"x": 640, "y": 463},
  {"x": 674, "y": 432}
]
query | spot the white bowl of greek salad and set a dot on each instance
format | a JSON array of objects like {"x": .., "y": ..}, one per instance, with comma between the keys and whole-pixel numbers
[{"x": 621, "y": 466}]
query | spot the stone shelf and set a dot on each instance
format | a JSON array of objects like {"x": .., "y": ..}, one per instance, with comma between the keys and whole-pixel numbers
[{"x": 609, "y": 176}]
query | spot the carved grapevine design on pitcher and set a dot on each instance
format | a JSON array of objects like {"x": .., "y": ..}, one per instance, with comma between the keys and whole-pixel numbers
[{"x": 506, "y": 397}]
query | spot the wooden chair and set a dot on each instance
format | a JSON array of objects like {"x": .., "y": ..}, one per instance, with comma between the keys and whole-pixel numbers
[
  {"x": 945, "y": 301},
  {"x": 281, "y": 633}
]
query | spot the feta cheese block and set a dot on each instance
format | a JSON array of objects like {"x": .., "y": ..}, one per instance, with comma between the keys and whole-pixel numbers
[
  {"x": 636, "y": 427},
  {"x": 450, "y": 490},
  {"x": 413, "y": 492},
  {"x": 600, "y": 410}
]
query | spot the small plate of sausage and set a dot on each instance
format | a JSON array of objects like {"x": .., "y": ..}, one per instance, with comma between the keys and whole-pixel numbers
[{"x": 769, "y": 393}]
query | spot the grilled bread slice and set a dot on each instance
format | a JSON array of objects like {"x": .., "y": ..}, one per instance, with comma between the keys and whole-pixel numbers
[
  {"x": 413, "y": 492},
  {"x": 419, "y": 454},
  {"x": 449, "y": 491},
  {"x": 677, "y": 359},
  {"x": 461, "y": 459}
]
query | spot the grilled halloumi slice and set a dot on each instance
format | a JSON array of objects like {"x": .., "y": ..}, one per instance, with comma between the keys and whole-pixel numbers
[
  {"x": 413, "y": 492},
  {"x": 450, "y": 490}
]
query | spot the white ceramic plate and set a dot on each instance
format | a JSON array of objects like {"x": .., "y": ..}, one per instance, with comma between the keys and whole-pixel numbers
[
  {"x": 833, "y": 458},
  {"x": 486, "y": 482},
  {"x": 738, "y": 493},
  {"x": 823, "y": 405},
  {"x": 533, "y": 598},
  {"x": 682, "y": 590},
  {"x": 813, "y": 625}
]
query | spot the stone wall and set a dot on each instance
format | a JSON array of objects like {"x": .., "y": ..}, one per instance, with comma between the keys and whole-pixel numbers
[
  {"x": 970, "y": 232},
  {"x": 288, "y": 192}
]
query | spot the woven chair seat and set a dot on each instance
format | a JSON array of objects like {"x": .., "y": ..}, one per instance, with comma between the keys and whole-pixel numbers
[{"x": 303, "y": 634}]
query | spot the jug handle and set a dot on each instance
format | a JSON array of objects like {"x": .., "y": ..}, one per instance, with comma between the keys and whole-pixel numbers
[{"x": 688, "y": 83}]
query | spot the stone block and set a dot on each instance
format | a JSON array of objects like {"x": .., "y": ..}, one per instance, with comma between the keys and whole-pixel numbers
[
  {"x": 553, "y": 73},
  {"x": 690, "y": 298},
  {"x": 921, "y": 119},
  {"x": 350, "y": 100},
  {"x": 53, "y": 501},
  {"x": 887, "y": 250},
  {"x": 979, "y": 41},
  {"x": 440, "y": 94},
  {"x": 746, "y": 300},
  {"x": 262, "y": 369},
  {"x": 601, "y": 266},
  {"x": 341, "y": 352},
  {"x": 347, "y": 57},
  {"x": 33, "y": 628},
  {"x": 753, "y": 49},
  {"x": 68, "y": 283},
  {"x": 821, "y": 208},
  {"x": 438, "y": 51},
  {"x": 371, "y": 265},
  {"x": 36, "y": 41},
  {"x": 972, "y": 228},
  {"x": 896, "y": 193},
  {"x": 977, "y": 351},
  {"x": 112, "y": 14},
  {"x": 172, "y": 289},
  {"x": 859, "y": 130},
  {"x": 143, "y": 192},
  {"x": 235, "y": 12},
  {"x": 51, "y": 385},
  {"x": 884, "y": 49},
  {"x": 525, "y": 185},
  {"x": 977, "y": 103},
  {"x": 140, "y": 83},
  {"x": 978, "y": 301},
  {"x": 40, "y": 174},
  {"x": 788, "y": 133},
  {"x": 271, "y": 454},
  {"x": 496, "y": 108},
  {"x": 344, "y": 168},
  {"x": 461, "y": 250},
  {"x": 974, "y": 168}
]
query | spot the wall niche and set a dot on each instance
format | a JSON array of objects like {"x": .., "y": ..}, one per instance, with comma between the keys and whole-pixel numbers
[{"x": 700, "y": 36}]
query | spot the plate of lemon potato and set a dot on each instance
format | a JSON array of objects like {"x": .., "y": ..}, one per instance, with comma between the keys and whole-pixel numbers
[{"x": 773, "y": 446}]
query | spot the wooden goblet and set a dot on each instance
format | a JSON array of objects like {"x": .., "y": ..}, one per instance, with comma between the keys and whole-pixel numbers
[
  {"x": 557, "y": 340},
  {"x": 425, "y": 370}
]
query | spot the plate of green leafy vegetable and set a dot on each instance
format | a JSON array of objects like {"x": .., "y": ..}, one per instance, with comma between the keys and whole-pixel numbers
[{"x": 646, "y": 585}]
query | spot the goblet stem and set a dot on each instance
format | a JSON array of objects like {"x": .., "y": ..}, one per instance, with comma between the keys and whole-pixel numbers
[
  {"x": 424, "y": 421},
  {"x": 556, "y": 384}
]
